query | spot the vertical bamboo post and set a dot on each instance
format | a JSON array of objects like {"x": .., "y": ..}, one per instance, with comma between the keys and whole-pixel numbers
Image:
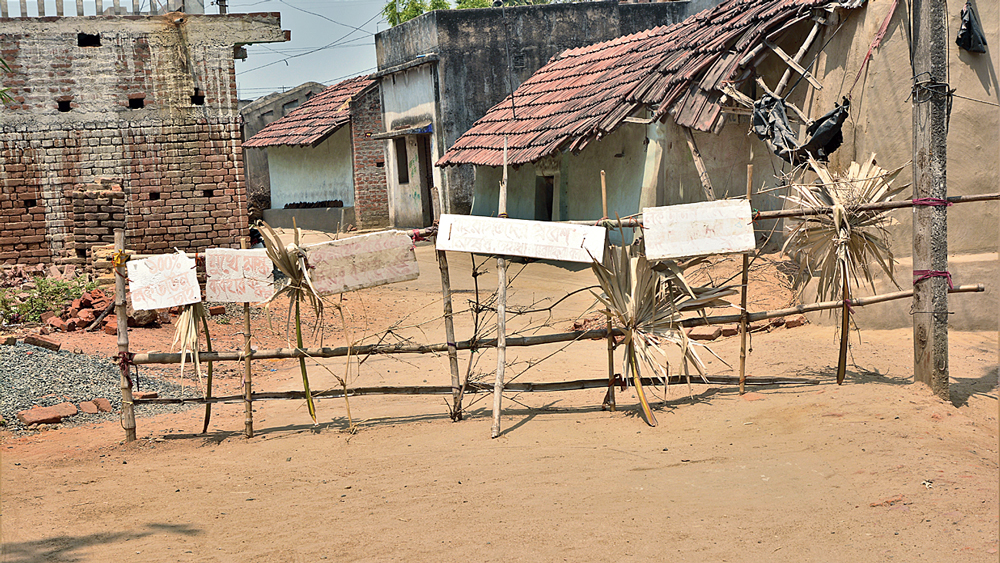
[
  {"x": 501, "y": 308},
  {"x": 208, "y": 385},
  {"x": 845, "y": 328},
  {"x": 743, "y": 295},
  {"x": 247, "y": 381},
  {"x": 609, "y": 398},
  {"x": 449, "y": 333},
  {"x": 121, "y": 314}
]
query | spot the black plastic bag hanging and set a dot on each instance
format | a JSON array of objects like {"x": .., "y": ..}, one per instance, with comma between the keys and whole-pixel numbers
[
  {"x": 970, "y": 34},
  {"x": 770, "y": 123},
  {"x": 826, "y": 134}
]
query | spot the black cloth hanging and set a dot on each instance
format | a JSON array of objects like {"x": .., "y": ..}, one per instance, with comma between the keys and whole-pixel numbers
[
  {"x": 970, "y": 34},
  {"x": 770, "y": 123}
]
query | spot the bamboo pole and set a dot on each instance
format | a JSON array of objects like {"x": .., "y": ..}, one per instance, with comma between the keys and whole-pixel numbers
[
  {"x": 247, "y": 372},
  {"x": 743, "y": 294},
  {"x": 121, "y": 312},
  {"x": 786, "y": 76},
  {"x": 609, "y": 397},
  {"x": 845, "y": 327},
  {"x": 372, "y": 349},
  {"x": 501, "y": 309},
  {"x": 636, "y": 221},
  {"x": 208, "y": 386},
  {"x": 449, "y": 333},
  {"x": 519, "y": 387}
]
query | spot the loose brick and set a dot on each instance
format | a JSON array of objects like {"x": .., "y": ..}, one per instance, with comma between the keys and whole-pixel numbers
[
  {"x": 102, "y": 404},
  {"x": 705, "y": 333},
  {"x": 89, "y": 407},
  {"x": 42, "y": 342}
]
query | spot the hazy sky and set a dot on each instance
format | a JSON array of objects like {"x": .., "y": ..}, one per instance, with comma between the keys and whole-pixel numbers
[{"x": 331, "y": 40}]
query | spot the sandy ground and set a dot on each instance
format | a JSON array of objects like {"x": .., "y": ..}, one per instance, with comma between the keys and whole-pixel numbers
[{"x": 875, "y": 470}]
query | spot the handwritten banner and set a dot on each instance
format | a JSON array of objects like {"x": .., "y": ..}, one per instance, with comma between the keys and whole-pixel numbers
[
  {"x": 238, "y": 276},
  {"x": 363, "y": 261},
  {"x": 163, "y": 281},
  {"x": 698, "y": 229},
  {"x": 517, "y": 237}
]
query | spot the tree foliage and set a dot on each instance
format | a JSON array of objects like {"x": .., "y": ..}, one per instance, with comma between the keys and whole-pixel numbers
[
  {"x": 5, "y": 97},
  {"x": 399, "y": 11}
]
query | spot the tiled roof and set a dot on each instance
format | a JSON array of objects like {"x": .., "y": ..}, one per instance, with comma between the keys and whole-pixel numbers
[
  {"x": 583, "y": 94},
  {"x": 314, "y": 121}
]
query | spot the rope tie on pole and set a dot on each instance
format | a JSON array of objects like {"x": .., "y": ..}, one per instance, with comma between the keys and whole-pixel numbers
[{"x": 921, "y": 275}]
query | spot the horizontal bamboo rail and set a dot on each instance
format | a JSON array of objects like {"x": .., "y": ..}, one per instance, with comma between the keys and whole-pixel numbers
[
  {"x": 800, "y": 211},
  {"x": 371, "y": 349},
  {"x": 512, "y": 387}
]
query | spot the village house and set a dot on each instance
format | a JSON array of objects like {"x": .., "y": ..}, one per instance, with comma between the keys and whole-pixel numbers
[
  {"x": 650, "y": 109},
  {"x": 443, "y": 70},
  {"x": 256, "y": 115},
  {"x": 142, "y": 101},
  {"x": 325, "y": 168}
]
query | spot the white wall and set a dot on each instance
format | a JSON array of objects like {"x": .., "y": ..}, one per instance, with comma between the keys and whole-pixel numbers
[{"x": 303, "y": 174}]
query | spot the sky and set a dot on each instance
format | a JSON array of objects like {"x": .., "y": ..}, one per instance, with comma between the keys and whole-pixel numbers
[{"x": 332, "y": 40}]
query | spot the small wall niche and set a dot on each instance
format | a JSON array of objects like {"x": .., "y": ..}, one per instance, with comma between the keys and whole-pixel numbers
[
  {"x": 154, "y": 196},
  {"x": 209, "y": 193},
  {"x": 136, "y": 103},
  {"x": 29, "y": 203},
  {"x": 198, "y": 98},
  {"x": 88, "y": 40},
  {"x": 63, "y": 105}
]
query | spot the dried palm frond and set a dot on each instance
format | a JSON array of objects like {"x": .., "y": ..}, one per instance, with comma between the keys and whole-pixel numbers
[
  {"x": 291, "y": 261},
  {"x": 186, "y": 337},
  {"x": 650, "y": 306},
  {"x": 847, "y": 240}
]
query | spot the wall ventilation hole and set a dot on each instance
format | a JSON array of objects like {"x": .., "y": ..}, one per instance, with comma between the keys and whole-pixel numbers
[
  {"x": 136, "y": 103},
  {"x": 88, "y": 40},
  {"x": 63, "y": 105},
  {"x": 81, "y": 252},
  {"x": 198, "y": 98},
  {"x": 154, "y": 196},
  {"x": 209, "y": 193},
  {"x": 29, "y": 203}
]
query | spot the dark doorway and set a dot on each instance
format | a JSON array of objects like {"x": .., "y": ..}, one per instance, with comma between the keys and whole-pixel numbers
[
  {"x": 544, "y": 187},
  {"x": 427, "y": 177}
]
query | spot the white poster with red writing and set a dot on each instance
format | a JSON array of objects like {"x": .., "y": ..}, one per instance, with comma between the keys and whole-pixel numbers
[
  {"x": 363, "y": 261},
  {"x": 238, "y": 276},
  {"x": 163, "y": 281}
]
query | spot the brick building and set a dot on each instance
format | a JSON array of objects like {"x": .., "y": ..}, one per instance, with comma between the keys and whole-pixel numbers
[
  {"x": 325, "y": 168},
  {"x": 147, "y": 103}
]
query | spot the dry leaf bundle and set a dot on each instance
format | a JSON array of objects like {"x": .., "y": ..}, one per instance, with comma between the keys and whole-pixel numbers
[
  {"x": 186, "y": 337},
  {"x": 649, "y": 306},
  {"x": 291, "y": 261},
  {"x": 848, "y": 239}
]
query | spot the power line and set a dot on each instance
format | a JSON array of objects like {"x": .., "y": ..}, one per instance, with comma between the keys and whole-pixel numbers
[{"x": 327, "y": 46}]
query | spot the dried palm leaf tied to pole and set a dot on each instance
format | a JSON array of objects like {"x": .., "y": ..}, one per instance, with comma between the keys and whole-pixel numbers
[
  {"x": 843, "y": 244},
  {"x": 649, "y": 306},
  {"x": 290, "y": 260}
]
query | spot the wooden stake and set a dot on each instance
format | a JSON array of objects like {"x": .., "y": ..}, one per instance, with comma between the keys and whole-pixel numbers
[
  {"x": 128, "y": 410},
  {"x": 208, "y": 385},
  {"x": 798, "y": 58},
  {"x": 609, "y": 398},
  {"x": 501, "y": 309},
  {"x": 845, "y": 327},
  {"x": 247, "y": 380},
  {"x": 931, "y": 103},
  {"x": 743, "y": 296},
  {"x": 449, "y": 333},
  {"x": 706, "y": 182}
]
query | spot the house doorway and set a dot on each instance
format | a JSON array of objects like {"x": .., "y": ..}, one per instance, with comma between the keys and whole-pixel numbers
[
  {"x": 544, "y": 195},
  {"x": 426, "y": 178}
]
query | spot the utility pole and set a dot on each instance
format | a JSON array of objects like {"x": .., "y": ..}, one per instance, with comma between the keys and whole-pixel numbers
[{"x": 930, "y": 223}]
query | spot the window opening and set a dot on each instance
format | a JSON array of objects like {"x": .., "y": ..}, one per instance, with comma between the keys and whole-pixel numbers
[
  {"x": 402, "y": 169},
  {"x": 88, "y": 40},
  {"x": 198, "y": 98}
]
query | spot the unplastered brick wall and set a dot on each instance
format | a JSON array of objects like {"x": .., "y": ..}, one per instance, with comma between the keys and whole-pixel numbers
[
  {"x": 371, "y": 199},
  {"x": 149, "y": 101},
  {"x": 97, "y": 213}
]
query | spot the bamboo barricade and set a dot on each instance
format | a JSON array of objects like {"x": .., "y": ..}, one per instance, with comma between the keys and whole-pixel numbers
[
  {"x": 121, "y": 318},
  {"x": 373, "y": 349}
]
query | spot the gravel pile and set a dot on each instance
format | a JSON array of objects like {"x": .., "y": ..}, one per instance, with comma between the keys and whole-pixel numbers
[{"x": 32, "y": 376}]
